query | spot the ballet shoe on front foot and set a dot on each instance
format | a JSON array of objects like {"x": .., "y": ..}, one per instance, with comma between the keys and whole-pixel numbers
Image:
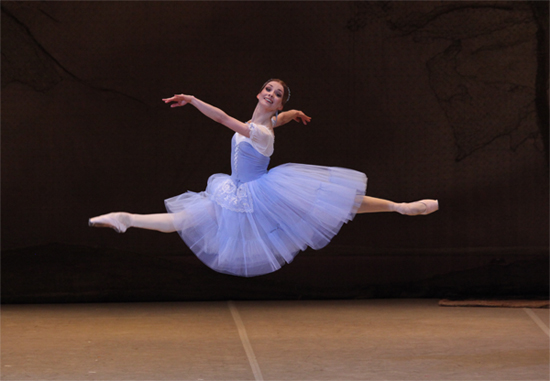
[
  {"x": 417, "y": 208},
  {"x": 111, "y": 220}
]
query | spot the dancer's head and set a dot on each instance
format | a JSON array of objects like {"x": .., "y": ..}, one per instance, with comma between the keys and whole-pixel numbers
[{"x": 275, "y": 92}]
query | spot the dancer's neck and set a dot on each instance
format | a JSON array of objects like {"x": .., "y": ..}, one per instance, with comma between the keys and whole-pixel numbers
[{"x": 262, "y": 116}]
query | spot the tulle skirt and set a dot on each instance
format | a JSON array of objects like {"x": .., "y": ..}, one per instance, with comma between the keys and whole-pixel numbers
[{"x": 256, "y": 228}]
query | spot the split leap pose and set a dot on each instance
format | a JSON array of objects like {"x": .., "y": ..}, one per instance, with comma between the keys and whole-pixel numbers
[{"x": 254, "y": 221}]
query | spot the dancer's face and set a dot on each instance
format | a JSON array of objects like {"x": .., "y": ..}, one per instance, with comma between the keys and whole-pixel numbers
[{"x": 272, "y": 96}]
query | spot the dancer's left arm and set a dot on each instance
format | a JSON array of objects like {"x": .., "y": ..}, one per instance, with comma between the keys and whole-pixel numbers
[{"x": 296, "y": 115}]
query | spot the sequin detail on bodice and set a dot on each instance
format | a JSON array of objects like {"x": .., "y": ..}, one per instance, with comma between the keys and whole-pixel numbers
[{"x": 247, "y": 165}]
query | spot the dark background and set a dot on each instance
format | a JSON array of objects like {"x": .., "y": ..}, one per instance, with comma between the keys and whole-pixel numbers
[{"x": 444, "y": 100}]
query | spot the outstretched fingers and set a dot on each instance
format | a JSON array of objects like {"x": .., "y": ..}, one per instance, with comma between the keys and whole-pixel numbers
[
  {"x": 178, "y": 99},
  {"x": 301, "y": 117}
]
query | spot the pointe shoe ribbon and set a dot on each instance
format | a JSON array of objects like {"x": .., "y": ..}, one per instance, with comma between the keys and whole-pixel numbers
[{"x": 108, "y": 221}]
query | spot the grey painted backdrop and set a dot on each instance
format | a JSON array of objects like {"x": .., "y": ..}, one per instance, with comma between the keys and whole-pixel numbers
[{"x": 429, "y": 99}]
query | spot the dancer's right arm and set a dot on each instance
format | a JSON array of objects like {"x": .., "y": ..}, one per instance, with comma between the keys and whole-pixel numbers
[{"x": 210, "y": 111}]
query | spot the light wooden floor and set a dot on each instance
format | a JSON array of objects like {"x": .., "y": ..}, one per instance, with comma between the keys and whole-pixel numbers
[{"x": 266, "y": 340}]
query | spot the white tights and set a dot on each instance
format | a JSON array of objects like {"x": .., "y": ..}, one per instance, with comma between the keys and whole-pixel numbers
[
  {"x": 378, "y": 205},
  {"x": 164, "y": 222}
]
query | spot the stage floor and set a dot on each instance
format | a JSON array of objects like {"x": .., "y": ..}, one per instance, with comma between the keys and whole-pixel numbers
[{"x": 274, "y": 340}]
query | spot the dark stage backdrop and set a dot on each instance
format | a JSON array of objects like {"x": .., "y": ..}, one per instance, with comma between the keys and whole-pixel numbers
[{"x": 442, "y": 100}]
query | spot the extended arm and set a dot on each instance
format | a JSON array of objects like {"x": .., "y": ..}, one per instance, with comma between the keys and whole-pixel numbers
[
  {"x": 296, "y": 115},
  {"x": 210, "y": 111}
]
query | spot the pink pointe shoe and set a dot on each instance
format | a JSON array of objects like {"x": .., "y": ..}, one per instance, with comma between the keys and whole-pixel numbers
[
  {"x": 416, "y": 208},
  {"x": 111, "y": 220}
]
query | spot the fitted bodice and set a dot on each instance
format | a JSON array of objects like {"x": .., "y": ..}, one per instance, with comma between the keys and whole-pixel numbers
[{"x": 247, "y": 163}]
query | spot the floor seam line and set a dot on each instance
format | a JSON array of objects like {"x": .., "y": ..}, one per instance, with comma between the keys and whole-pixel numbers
[
  {"x": 246, "y": 343},
  {"x": 537, "y": 320}
]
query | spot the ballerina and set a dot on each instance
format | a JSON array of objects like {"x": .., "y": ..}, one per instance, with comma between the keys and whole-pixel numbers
[{"x": 255, "y": 220}]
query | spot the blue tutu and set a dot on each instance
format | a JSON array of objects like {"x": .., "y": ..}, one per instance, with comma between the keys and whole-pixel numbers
[{"x": 254, "y": 221}]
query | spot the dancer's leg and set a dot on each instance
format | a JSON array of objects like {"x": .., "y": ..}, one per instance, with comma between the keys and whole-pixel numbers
[
  {"x": 377, "y": 205},
  {"x": 163, "y": 222}
]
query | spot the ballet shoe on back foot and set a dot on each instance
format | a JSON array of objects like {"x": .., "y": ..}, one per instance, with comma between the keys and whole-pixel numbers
[
  {"x": 111, "y": 220},
  {"x": 417, "y": 208}
]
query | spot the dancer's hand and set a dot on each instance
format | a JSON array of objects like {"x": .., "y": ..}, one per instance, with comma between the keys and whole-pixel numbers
[
  {"x": 301, "y": 117},
  {"x": 296, "y": 115},
  {"x": 180, "y": 99}
]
